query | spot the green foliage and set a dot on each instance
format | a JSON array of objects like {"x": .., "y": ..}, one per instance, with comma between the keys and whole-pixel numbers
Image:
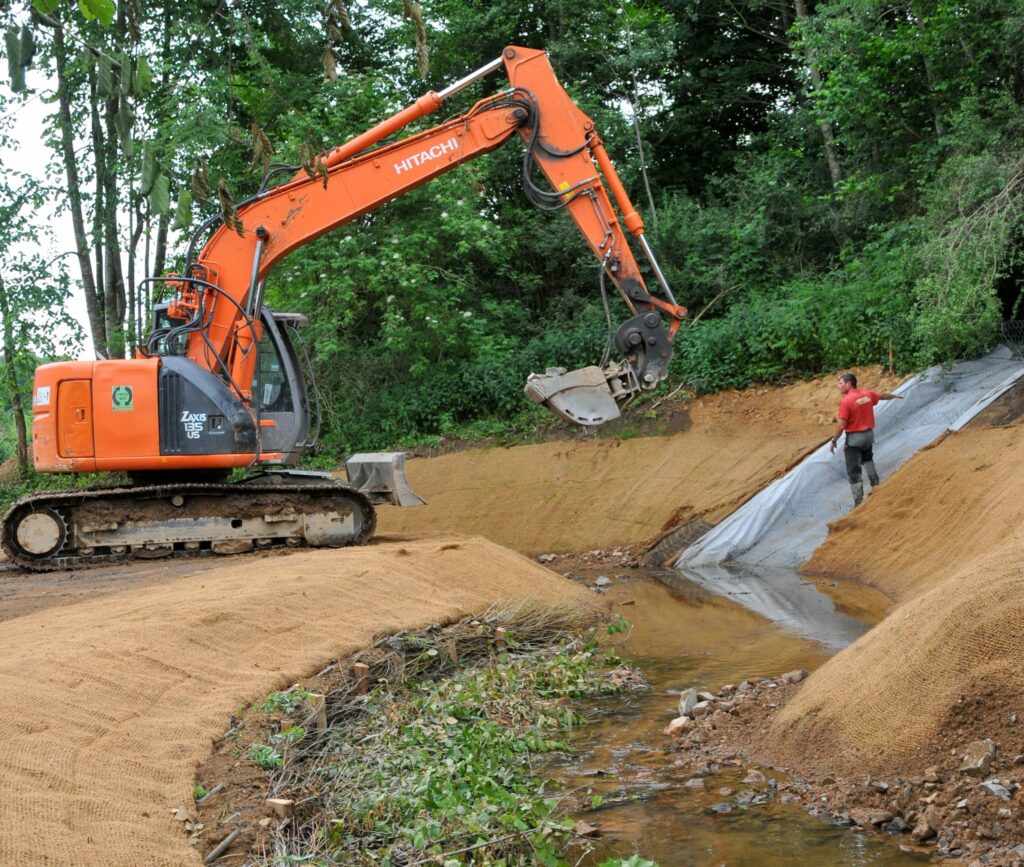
[
  {"x": 101, "y": 10},
  {"x": 291, "y": 734},
  {"x": 266, "y": 756},
  {"x": 286, "y": 702},
  {"x": 618, "y": 625},
  {"x": 427, "y": 314},
  {"x": 432, "y": 767}
]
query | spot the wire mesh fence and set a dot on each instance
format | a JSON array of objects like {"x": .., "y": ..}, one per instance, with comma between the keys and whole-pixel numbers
[{"x": 1013, "y": 334}]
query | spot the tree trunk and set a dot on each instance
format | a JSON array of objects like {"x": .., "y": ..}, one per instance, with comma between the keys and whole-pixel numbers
[
  {"x": 74, "y": 191},
  {"x": 827, "y": 132},
  {"x": 940, "y": 127},
  {"x": 160, "y": 256},
  {"x": 97, "y": 208},
  {"x": 136, "y": 225},
  {"x": 113, "y": 280},
  {"x": 11, "y": 377}
]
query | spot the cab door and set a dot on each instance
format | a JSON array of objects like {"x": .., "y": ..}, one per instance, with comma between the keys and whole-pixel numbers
[{"x": 279, "y": 392}]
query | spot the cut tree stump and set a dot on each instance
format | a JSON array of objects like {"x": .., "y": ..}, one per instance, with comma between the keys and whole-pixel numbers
[{"x": 281, "y": 807}]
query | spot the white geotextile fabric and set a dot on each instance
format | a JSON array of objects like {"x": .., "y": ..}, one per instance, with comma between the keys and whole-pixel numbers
[{"x": 783, "y": 524}]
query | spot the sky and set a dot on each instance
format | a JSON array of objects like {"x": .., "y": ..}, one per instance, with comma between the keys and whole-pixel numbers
[{"x": 30, "y": 157}]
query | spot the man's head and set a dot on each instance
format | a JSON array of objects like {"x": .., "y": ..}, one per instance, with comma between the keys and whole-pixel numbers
[{"x": 847, "y": 382}]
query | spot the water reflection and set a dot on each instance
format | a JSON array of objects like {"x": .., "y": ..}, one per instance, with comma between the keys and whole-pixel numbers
[{"x": 781, "y": 596}]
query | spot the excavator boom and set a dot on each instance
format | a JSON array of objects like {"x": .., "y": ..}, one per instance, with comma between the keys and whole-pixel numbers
[{"x": 354, "y": 179}]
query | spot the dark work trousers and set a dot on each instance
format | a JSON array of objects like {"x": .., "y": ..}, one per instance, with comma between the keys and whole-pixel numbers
[{"x": 860, "y": 456}]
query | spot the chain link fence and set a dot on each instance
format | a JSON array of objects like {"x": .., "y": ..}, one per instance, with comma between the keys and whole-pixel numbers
[{"x": 1013, "y": 334}]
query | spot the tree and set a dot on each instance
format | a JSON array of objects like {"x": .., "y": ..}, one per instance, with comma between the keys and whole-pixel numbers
[{"x": 34, "y": 289}]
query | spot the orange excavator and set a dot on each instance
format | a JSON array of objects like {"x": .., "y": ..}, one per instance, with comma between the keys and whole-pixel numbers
[{"x": 223, "y": 384}]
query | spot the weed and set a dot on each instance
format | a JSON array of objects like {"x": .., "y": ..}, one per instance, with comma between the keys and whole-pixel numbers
[
  {"x": 619, "y": 624},
  {"x": 290, "y": 735},
  {"x": 266, "y": 756},
  {"x": 286, "y": 702},
  {"x": 437, "y": 762}
]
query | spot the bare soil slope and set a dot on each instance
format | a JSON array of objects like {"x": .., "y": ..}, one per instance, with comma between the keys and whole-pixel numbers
[
  {"x": 578, "y": 495},
  {"x": 107, "y": 705},
  {"x": 943, "y": 536}
]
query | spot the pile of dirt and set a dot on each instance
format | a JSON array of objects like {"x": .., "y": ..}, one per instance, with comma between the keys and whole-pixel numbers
[
  {"x": 572, "y": 496},
  {"x": 108, "y": 705},
  {"x": 894, "y": 698}
]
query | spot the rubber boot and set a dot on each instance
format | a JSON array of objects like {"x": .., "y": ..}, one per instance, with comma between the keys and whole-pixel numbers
[
  {"x": 858, "y": 492},
  {"x": 869, "y": 468}
]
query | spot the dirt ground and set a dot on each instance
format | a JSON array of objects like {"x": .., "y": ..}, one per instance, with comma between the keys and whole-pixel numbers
[
  {"x": 114, "y": 682},
  {"x": 572, "y": 495},
  {"x": 110, "y": 698}
]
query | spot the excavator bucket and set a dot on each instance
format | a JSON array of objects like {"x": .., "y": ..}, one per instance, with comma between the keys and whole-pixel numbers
[
  {"x": 579, "y": 396},
  {"x": 381, "y": 476}
]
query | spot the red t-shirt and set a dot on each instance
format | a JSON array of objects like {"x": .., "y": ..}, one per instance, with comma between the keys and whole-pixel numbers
[{"x": 855, "y": 407}]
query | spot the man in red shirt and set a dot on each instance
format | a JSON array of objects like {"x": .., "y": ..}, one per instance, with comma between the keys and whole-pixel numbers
[{"x": 857, "y": 419}]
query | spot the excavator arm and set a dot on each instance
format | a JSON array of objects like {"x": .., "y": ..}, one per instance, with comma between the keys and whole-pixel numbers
[{"x": 217, "y": 303}]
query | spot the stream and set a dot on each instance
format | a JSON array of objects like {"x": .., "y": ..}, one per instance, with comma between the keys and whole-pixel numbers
[{"x": 684, "y": 635}]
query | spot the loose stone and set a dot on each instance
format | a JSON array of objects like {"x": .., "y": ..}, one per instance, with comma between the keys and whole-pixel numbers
[
  {"x": 679, "y": 726},
  {"x": 994, "y": 787},
  {"x": 923, "y": 831},
  {"x": 686, "y": 702},
  {"x": 978, "y": 757},
  {"x": 794, "y": 676}
]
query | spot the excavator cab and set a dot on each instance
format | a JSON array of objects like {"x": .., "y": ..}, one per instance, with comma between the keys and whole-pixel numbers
[
  {"x": 279, "y": 394},
  {"x": 283, "y": 416},
  {"x": 202, "y": 413}
]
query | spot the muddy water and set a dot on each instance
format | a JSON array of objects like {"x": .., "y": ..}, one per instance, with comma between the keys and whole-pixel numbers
[{"x": 682, "y": 635}]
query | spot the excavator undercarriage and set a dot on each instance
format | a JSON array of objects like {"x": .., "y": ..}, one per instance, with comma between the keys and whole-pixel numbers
[{"x": 72, "y": 529}]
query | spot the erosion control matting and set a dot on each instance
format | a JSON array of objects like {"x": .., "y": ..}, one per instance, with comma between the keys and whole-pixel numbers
[{"x": 108, "y": 705}]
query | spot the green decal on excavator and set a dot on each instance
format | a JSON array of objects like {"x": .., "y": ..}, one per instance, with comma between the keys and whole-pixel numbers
[{"x": 121, "y": 398}]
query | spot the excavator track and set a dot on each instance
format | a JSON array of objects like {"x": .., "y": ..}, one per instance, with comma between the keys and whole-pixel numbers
[{"x": 54, "y": 530}]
